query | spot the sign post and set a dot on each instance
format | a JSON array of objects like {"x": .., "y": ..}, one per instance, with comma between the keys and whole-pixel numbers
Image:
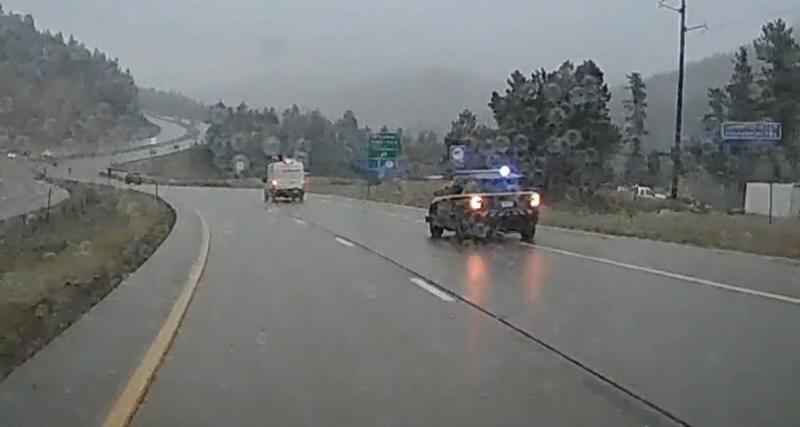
[
  {"x": 382, "y": 153},
  {"x": 457, "y": 155},
  {"x": 770, "y": 202},
  {"x": 383, "y": 150},
  {"x": 753, "y": 132}
]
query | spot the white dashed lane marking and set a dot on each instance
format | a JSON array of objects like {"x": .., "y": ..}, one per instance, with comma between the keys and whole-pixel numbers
[
  {"x": 344, "y": 242},
  {"x": 438, "y": 293},
  {"x": 634, "y": 267}
]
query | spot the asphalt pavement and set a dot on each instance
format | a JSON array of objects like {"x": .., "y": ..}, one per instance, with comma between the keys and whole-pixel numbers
[
  {"x": 20, "y": 193},
  {"x": 344, "y": 312},
  {"x": 711, "y": 355},
  {"x": 294, "y": 326}
]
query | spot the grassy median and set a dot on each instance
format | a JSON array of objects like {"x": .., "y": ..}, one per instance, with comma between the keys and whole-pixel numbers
[
  {"x": 712, "y": 229},
  {"x": 53, "y": 270}
]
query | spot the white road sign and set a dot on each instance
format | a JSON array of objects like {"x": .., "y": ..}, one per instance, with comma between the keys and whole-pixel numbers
[
  {"x": 751, "y": 131},
  {"x": 457, "y": 153}
]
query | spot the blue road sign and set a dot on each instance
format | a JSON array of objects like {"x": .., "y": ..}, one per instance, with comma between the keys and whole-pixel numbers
[{"x": 751, "y": 131}]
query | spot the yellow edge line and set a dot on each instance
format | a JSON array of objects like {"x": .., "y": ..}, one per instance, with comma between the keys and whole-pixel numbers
[{"x": 132, "y": 395}]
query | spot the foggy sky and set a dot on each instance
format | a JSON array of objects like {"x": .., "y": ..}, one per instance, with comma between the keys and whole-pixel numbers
[{"x": 281, "y": 51}]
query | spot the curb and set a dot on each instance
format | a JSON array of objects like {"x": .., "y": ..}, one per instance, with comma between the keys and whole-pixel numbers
[{"x": 133, "y": 394}]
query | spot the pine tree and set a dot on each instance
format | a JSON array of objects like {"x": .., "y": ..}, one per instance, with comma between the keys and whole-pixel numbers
[
  {"x": 780, "y": 81},
  {"x": 742, "y": 103},
  {"x": 635, "y": 128},
  {"x": 718, "y": 110}
]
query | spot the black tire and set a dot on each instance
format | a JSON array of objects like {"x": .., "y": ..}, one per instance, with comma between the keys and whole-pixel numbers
[
  {"x": 461, "y": 233},
  {"x": 266, "y": 197},
  {"x": 436, "y": 232},
  {"x": 301, "y": 198},
  {"x": 528, "y": 234}
]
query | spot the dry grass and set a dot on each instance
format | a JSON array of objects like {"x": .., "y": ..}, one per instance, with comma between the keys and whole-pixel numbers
[
  {"x": 409, "y": 193},
  {"x": 714, "y": 229},
  {"x": 51, "y": 273}
]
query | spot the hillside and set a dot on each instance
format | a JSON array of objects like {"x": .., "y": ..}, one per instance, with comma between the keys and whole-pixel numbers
[
  {"x": 172, "y": 104},
  {"x": 412, "y": 99},
  {"x": 661, "y": 90},
  {"x": 58, "y": 94},
  {"x": 714, "y": 71}
]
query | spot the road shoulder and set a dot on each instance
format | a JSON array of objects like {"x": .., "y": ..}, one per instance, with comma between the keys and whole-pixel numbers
[{"x": 75, "y": 380}]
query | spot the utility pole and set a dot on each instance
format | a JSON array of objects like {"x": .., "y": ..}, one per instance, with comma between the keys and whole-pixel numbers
[{"x": 676, "y": 150}]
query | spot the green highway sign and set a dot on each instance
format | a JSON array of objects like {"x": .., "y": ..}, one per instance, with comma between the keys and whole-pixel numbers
[{"x": 384, "y": 146}]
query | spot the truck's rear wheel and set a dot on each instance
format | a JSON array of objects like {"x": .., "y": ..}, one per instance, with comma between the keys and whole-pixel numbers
[
  {"x": 461, "y": 232},
  {"x": 436, "y": 232},
  {"x": 528, "y": 234}
]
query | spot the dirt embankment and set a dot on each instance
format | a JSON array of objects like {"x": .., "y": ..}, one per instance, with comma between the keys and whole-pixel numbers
[
  {"x": 196, "y": 163},
  {"x": 192, "y": 167},
  {"x": 52, "y": 271}
]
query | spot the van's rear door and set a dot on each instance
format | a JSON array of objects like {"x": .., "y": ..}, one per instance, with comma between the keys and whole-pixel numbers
[{"x": 289, "y": 176}]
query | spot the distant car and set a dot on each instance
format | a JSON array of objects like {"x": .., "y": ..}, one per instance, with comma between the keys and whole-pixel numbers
[
  {"x": 12, "y": 155},
  {"x": 176, "y": 147},
  {"x": 483, "y": 203},
  {"x": 152, "y": 151},
  {"x": 645, "y": 192},
  {"x": 47, "y": 154},
  {"x": 133, "y": 178}
]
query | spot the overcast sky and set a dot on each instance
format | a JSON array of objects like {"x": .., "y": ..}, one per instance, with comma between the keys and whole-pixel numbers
[{"x": 202, "y": 47}]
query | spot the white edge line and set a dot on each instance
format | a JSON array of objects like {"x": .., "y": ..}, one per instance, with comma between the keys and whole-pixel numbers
[
  {"x": 345, "y": 242},
  {"x": 431, "y": 289},
  {"x": 677, "y": 276},
  {"x": 347, "y": 201},
  {"x": 731, "y": 288},
  {"x": 298, "y": 220}
]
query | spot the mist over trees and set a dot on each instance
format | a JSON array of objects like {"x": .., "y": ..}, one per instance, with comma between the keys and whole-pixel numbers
[
  {"x": 770, "y": 92},
  {"x": 259, "y": 136},
  {"x": 173, "y": 104},
  {"x": 54, "y": 92},
  {"x": 635, "y": 130}
]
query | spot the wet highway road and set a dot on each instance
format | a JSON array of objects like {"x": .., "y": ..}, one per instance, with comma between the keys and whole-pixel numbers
[
  {"x": 291, "y": 326},
  {"x": 340, "y": 312},
  {"x": 21, "y": 193}
]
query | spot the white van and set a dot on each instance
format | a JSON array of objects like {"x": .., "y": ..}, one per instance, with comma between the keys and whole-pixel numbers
[{"x": 286, "y": 179}]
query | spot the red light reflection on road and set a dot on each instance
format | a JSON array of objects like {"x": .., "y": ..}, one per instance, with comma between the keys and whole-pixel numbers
[
  {"x": 476, "y": 276},
  {"x": 476, "y": 279},
  {"x": 537, "y": 270}
]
